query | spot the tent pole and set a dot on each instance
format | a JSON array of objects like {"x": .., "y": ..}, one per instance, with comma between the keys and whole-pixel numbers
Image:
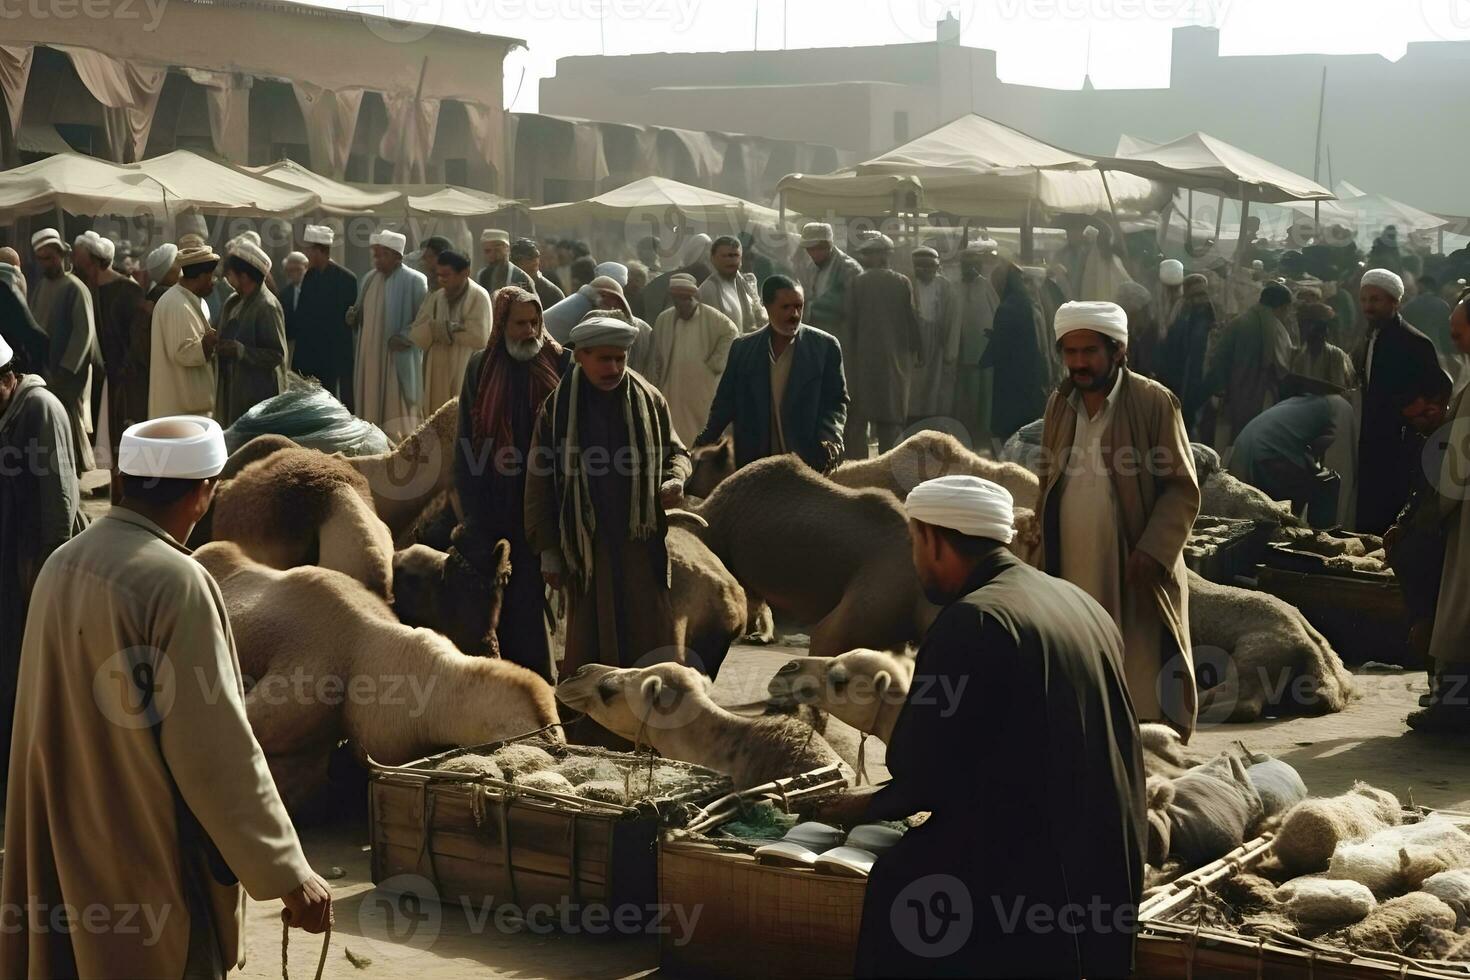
[
  {"x": 1027, "y": 244},
  {"x": 1119, "y": 242},
  {"x": 1245, "y": 211}
]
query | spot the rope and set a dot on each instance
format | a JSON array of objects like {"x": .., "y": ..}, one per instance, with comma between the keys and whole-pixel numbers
[
  {"x": 321, "y": 963},
  {"x": 862, "y": 762}
]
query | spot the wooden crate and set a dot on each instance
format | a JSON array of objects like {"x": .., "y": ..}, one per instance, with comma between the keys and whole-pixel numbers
[
  {"x": 1169, "y": 949},
  {"x": 1362, "y": 616},
  {"x": 1238, "y": 555},
  {"x": 755, "y": 920},
  {"x": 486, "y": 842}
]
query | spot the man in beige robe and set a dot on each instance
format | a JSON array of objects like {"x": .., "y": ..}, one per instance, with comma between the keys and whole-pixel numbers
[
  {"x": 388, "y": 379},
  {"x": 932, "y": 393},
  {"x": 691, "y": 342},
  {"x": 1118, "y": 498},
  {"x": 139, "y": 803},
  {"x": 62, "y": 306},
  {"x": 452, "y": 324},
  {"x": 181, "y": 377}
]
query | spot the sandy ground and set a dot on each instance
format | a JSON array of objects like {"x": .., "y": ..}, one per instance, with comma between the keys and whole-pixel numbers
[{"x": 1367, "y": 741}]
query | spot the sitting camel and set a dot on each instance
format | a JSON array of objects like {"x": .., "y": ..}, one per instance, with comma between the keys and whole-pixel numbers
[
  {"x": 1259, "y": 650},
  {"x": 928, "y": 454},
  {"x": 450, "y": 592},
  {"x": 407, "y": 479},
  {"x": 709, "y": 605},
  {"x": 302, "y": 507},
  {"x": 668, "y": 707},
  {"x": 325, "y": 659}
]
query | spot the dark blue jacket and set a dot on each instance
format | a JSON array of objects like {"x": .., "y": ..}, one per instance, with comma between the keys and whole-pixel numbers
[{"x": 813, "y": 408}]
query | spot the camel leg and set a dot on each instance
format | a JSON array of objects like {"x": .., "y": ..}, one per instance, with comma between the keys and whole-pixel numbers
[
  {"x": 760, "y": 622},
  {"x": 353, "y": 540},
  {"x": 859, "y": 620}
]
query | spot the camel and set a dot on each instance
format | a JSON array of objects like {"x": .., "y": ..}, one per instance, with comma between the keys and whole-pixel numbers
[
  {"x": 1259, "y": 651},
  {"x": 302, "y": 507},
  {"x": 829, "y": 555},
  {"x": 928, "y": 454},
  {"x": 446, "y": 591},
  {"x": 709, "y": 605},
  {"x": 405, "y": 480},
  {"x": 668, "y": 707},
  {"x": 1222, "y": 495},
  {"x": 325, "y": 659},
  {"x": 256, "y": 449}
]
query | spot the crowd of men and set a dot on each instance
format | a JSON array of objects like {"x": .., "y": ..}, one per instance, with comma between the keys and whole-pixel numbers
[{"x": 583, "y": 386}]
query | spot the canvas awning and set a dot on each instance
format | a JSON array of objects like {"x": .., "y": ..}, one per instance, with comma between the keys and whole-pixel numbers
[
  {"x": 1203, "y": 162},
  {"x": 197, "y": 183},
  {"x": 78, "y": 184},
  {"x": 443, "y": 200},
  {"x": 652, "y": 198},
  {"x": 337, "y": 198},
  {"x": 844, "y": 192}
]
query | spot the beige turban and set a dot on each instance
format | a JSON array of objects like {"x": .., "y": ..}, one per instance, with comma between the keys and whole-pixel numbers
[
  {"x": 45, "y": 237},
  {"x": 1385, "y": 280},
  {"x": 1107, "y": 319},
  {"x": 604, "y": 331},
  {"x": 966, "y": 504},
  {"x": 816, "y": 233},
  {"x": 683, "y": 284}
]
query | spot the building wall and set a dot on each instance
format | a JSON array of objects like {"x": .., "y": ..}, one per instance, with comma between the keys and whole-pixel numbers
[{"x": 1392, "y": 127}]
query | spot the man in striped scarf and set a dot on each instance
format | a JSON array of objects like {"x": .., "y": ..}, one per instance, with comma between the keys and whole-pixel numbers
[{"x": 604, "y": 463}]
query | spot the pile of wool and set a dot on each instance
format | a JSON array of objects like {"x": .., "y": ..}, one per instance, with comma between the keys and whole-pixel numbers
[
  {"x": 604, "y": 791},
  {"x": 1279, "y": 785},
  {"x": 1325, "y": 901},
  {"x": 1202, "y": 814},
  {"x": 1400, "y": 859},
  {"x": 1311, "y": 830},
  {"x": 479, "y": 765},
  {"x": 1453, "y": 888},
  {"x": 581, "y": 769},
  {"x": 1222, "y": 495},
  {"x": 664, "y": 780},
  {"x": 1441, "y": 944},
  {"x": 1249, "y": 892},
  {"x": 1399, "y": 921},
  {"x": 547, "y": 780},
  {"x": 518, "y": 758}
]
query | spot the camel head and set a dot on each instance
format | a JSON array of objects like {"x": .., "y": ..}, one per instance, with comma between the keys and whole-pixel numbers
[
  {"x": 864, "y": 688},
  {"x": 712, "y": 464},
  {"x": 638, "y": 703},
  {"x": 447, "y": 592}
]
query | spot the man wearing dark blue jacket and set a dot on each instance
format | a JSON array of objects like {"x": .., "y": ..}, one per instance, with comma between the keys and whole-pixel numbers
[{"x": 783, "y": 388}]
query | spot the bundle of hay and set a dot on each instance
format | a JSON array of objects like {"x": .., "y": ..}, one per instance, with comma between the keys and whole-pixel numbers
[
  {"x": 579, "y": 769},
  {"x": 1222, "y": 495},
  {"x": 1311, "y": 830},
  {"x": 479, "y": 765},
  {"x": 604, "y": 791},
  {"x": 1399, "y": 921},
  {"x": 1400, "y": 859},
  {"x": 547, "y": 780},
  {"x": 1453, "y": 888},
  {"x": 1325, "y": 902},
  {"x": 519, "y": 758}
]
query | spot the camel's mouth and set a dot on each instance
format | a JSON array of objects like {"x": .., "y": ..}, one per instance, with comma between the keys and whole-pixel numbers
[
  {"x": 790, "y": 687},
  {"x": 580, "y": 691}
]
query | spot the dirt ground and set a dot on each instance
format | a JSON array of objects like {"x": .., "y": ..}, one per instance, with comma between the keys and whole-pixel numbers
[{"x": 1368, "y": 741}]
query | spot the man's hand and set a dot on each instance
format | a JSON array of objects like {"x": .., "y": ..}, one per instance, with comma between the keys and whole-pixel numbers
[
  {"x": 1143, "y": 571},
  {"x": 846, "y": 809},
  {"x": 228, "y": 349},
  {"x": 671, "y": 494},
  {"x": 209, "y": 341},
  {"x": 553, "y": 579},
  {"x": 1391, "y": 539},
  {"x": 354, "y": 316},
  {"x": 399, "y": 342},
  {"x": 309, "y": 907}
]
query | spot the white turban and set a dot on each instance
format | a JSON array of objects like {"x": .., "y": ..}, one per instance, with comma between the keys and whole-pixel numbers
[
  {"x": 697, "y": 249},
  {"x": 966, "y": 504},
  {"x": 6, "y": 354},
  {"x": 253, "y": 254},
  {"x": 46, "y": 236},
  {"x": 319, "y": 235},
  {"x": 615, "y": 271},
  {"x": 495, "y": 235},
  {"x": 390, "y": 240},
  {"x": 160, "y": 260},
  {"x": 1171, "y": 272},
  {"x": 1107, "y": 319},
  {"x": 816, "y": 233},
  {"x": 179, "y": 447},
  {"x": 1385, "y": 280},
  {"x": 604, "y": 331},
  {"x": 102, "y": 248}
]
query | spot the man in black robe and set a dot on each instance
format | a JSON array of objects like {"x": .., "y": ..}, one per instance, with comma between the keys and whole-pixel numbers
[
  {"x": 1394, "y": 361},
  {"x": 324, "y": 344},
  {"x": 1019, "y": 738},
  {"x": 504, "y": 386}
]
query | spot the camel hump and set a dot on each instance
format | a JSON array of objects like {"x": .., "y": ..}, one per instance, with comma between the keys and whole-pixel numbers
[{"x": 221, "y": 559}]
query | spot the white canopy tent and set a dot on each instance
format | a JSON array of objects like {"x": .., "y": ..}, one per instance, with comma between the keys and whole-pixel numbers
[
  {"x": 197, "y": 183},
  {"x": 653, "y": 199},
  {"x": 337, "y": 199},
  {"x": 78, "y": 184},
  {"x": 1202, "y": 162}
]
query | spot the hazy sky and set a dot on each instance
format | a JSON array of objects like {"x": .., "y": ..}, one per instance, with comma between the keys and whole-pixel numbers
[{"x": 1038, "y": 42}]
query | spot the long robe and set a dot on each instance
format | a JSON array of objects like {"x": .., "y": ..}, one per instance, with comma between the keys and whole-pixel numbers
[
  {"x": 972, "y": 384},
  {"x": 1330, "y": 364},
  {"x": 1253, "y": 355},
  {"x": 500, "y": 275},
  {"x": 736, "y": 298},
  {"x": 1024, "y": 672},
  {"x": 826, "y": 288},
  {"x": 323, "y": 340},
  {"x": 934, "y": 382},
  {"x": 492, "y": 494},
  {"x": 259, "y": 372},
  {"x": 180, "y": 375},
  {"x": 388, "y": 384},
  {"x": 623, "y": 617},
  {"x": 1146, "y": 457},
  {"x": 1403, "y": 362},
  {"x": 1018, "y": 390},
  {"x": 40, "y": 509},
  {"x": 449, "y": 332},
  {"x": 30, "y": 346},
  {"x": 122, "y": 336},
  {"x": 135, "y": 781},
  {"x": 63, "y": 309},
  {"x": 882, "y": 345},
  {"x": 687, "y": 362},
  {"x": 1450, "y": 641}
]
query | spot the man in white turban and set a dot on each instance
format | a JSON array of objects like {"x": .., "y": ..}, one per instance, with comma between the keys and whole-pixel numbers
[
  {"x": 691, "y": 342},
  {"x": 1118, "y": 498},
  {"x": 825, "y": 277},
  {"x": 451, "y": 327},
  {"x": 937, "y": 305},
  {"x": 883, "y": 348},
  {"x": 499, "y": 270},
  {"x": 122, "y": 341},
  {"x": 62, "y": 306},
  {"x": 1048, "y": 708},
  {"x": 388, "y": 383},
  {"x": 1393, "y": 362},
  {"x": 1169, "y": 294},
  {"x": 595, "y": 512},
  {"x": 128, "y": 652}
]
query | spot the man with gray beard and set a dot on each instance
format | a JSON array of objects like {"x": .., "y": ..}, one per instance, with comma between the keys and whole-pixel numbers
[{"x": 504, "y": 386}]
